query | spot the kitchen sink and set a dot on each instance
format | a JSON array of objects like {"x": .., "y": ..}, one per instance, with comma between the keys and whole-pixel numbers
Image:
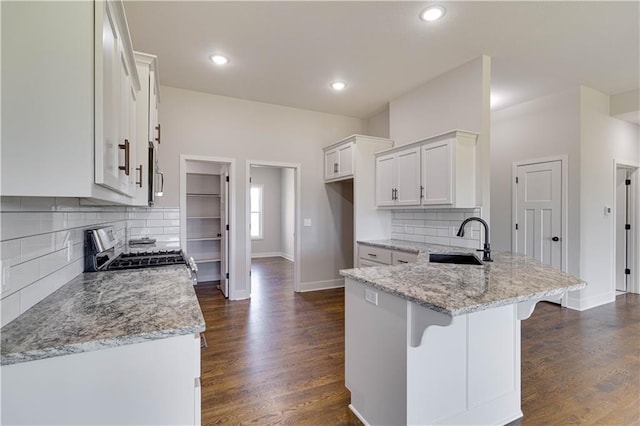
[{"x": 458, "y": 259}]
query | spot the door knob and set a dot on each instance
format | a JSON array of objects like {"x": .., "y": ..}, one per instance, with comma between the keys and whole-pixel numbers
[{"x": 555, "y": 239}]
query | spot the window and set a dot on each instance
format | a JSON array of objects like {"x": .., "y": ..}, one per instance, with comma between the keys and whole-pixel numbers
[{"x": 256, "y": 212}]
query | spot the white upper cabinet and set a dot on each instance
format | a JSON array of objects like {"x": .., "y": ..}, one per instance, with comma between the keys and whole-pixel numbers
[
  {"x": 339, "y": 160},
  {"x": 449, "y": 171},
  {"x": 116, "y": 85},
  {"x": 71, "y": 96},
  {"x": 436, "y": 172},
  {"x": 408, "y": 177},
  {"x": 398, "y": 178},
  {"x": 386, "y": 166},
  {"x": 147, "y": 126}
]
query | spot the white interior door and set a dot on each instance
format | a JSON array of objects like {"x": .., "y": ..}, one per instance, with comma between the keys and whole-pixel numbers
[
  {"x": 539, "y": 212},
  {"x": 224, "y": 231}
]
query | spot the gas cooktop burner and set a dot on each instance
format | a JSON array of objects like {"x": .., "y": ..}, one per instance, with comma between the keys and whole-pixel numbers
[{"x": 146, "y": 259}]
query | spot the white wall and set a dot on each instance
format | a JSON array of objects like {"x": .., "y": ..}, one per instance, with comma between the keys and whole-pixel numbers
[
  {"x": 378, "y": 124},
  {"x": 543, "y": 127},
  {"x": 270, "y": 179},
  {"x": 457, "y": 99},
  {"x": 203, "y": 124},
  {"x": 287, "y": 226},
  {"x": 603, "y": 139}
]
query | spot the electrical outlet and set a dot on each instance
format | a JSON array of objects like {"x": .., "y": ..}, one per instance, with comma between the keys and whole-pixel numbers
[
  {"x": 307, "y": 222},
  {"x": 371, "y": 296}
]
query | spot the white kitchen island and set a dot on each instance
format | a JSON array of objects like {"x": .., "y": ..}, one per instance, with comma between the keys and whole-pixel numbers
[{"x": 429, "y": 343}]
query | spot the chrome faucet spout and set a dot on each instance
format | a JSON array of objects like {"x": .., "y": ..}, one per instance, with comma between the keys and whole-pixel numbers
[{"x": 486, "y": 257}]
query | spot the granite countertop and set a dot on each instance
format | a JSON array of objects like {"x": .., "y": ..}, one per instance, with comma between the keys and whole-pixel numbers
[
  {"x": 100, "y": 310},
  {"x": 461, "y": 289}
]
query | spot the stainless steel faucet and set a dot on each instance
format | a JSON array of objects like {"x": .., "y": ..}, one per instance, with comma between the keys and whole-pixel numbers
[{"x": 486, "y": 257}]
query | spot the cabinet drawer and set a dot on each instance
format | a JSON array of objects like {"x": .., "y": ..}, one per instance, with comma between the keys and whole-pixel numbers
[
  {"x": 376, "y": 254},
  {"x": 366, "y": 263},
  {"x": 400, "y": 257}
]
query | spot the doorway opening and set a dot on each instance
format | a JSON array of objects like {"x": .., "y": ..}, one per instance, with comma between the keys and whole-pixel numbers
[
  {"x": 626, "y": 228},
  {"x": 207, "y": 203},
  {"x": 273, "y": 220}
]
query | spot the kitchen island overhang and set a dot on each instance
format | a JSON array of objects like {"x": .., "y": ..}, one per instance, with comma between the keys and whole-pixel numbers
[{"x": 440, "y": 343}]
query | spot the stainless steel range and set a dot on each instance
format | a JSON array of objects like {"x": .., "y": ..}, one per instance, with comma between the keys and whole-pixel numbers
[{"x": 102, "y": 254}]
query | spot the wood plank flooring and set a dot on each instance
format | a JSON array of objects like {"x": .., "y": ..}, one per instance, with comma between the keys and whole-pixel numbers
[{"x": 279, "y": 358}]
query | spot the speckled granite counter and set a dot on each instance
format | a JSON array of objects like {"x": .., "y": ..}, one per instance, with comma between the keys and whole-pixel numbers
[
  {"x": 105, "y": 309},
  {"x": 461, "y": 289}
]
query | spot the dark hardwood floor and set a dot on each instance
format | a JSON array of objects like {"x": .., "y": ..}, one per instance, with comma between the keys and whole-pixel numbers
[
  {"x": 276, "y": 359},
  {"x": 279, "y": 358}
]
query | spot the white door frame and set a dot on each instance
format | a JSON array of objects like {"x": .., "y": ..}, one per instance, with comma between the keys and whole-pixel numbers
[
  {"x": 564, "y": 161},
  {"x": 296, "y": 238},
  {"x": 634, "y": 284},
  {"x": 232, "y": 208}
]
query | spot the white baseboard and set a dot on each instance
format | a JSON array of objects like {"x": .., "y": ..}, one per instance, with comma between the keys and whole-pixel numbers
[
  {"x": 358, "y": 415},
  {"x": 578, "y": 303},
  {"x": 321, "y": 285},
  {"x": 272, "y": 254},
  {"x": 266, "y": 254}
]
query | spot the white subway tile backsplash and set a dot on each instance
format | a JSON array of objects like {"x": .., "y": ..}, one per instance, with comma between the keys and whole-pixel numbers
[
  {"x": 18, "y": 224},
  {"x": 36, "y": 292},
  {"x": 10, "y": 251},
  {"x": 36, "y": 246},
  {"x": 10, "y": 308},
  {"x": 435, "y": 226},
  {"x": 172, "y": 214},
  {"x": 21, "y": 276},
  {"x": 42, "y": 242},
  {"x": 52, "y": 262}
]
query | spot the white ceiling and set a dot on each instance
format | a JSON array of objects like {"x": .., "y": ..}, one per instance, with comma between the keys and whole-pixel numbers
[{"x": 287, "y": 53}]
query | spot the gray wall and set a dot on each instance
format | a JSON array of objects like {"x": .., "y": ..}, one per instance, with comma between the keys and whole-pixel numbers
[
  {"x": 202, "y": 124},
  {"x": 378, "y": 124}
]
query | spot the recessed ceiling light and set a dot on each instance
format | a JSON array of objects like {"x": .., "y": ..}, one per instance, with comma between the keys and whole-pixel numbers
[
  {"x": 338, "y": 85},
  {"x": 219, "y": 59},
  {"x": 432, "y": 13}
]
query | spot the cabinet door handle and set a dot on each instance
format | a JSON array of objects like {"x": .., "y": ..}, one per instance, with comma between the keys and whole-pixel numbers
[
  {"x": 372, "y": 255},
  {"x": 140, "y": 170},
  {"x": 421, "y": 192},
  {"x": 402, "y": 261},
  {"x": 158, "y": 129},
  {"x": 125, "y": 146},
  {"x": 555, "y": 239},
  {"x": 335, "y": 167}
]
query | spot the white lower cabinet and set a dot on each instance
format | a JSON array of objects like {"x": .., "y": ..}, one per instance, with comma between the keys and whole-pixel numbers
[
  {"x": 369, "y": 255},
  {"x": 155, "y": 382}
]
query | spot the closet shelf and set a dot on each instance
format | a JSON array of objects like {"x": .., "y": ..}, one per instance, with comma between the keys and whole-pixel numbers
[
  {"x": 203, "y": 217},
  {"x": 197, "y": 194},
  {"x": 204, "y": 239}
]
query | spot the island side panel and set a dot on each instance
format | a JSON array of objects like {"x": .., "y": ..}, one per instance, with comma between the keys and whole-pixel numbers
[
  {"x": 467, "y": 372},
  {"x": 375, "y": 355}
]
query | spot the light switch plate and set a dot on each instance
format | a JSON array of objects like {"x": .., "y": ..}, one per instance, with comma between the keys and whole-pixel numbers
[{"x": 307, "y": 222}]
